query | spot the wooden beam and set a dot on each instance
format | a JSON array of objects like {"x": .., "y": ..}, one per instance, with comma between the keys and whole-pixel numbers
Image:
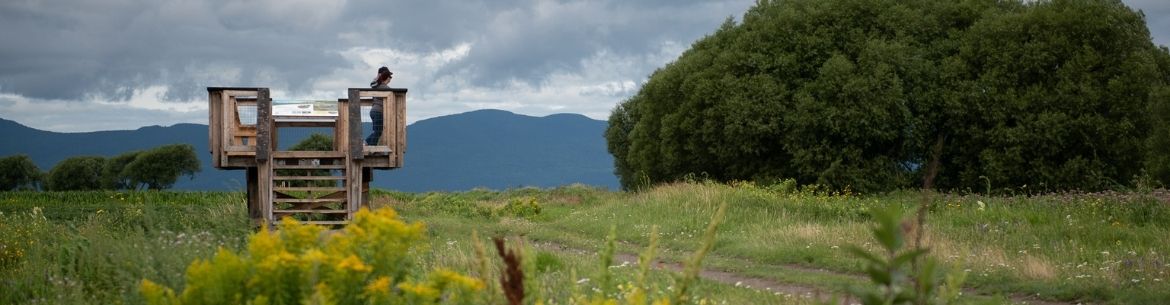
[
  {"x": 263, "y": 125},
  {"x": 341, "y": 129},
  {"x": 253, "y": 194},
  {"x": 307, "y": 154},
  {"x": 400, "y": 142},
  {"x": 355, "y": 126},
  {"x": 264, "y": 179},
  {"x": 353, "y": 186},
  {"x": 213, "y": 128}
]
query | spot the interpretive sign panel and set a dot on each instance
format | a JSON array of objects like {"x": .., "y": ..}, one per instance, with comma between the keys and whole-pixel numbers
[{"x": 304, "y": 108}]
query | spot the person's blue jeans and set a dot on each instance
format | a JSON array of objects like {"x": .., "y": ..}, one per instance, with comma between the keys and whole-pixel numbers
[{"x": 376, "y": 118}]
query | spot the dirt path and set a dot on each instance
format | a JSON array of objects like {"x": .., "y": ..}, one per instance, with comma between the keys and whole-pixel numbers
[{"x": 768, "y": 285}]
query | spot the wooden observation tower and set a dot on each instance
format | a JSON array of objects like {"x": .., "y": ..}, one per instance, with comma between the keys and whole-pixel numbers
[{"x": 320, "y": 187}]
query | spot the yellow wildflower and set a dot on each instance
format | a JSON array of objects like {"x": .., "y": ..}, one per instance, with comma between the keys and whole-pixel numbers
[
  {"x": 380, "y": 286},
  {"x": 420, "y": 290},
  {"x": 352, "y": 262}
]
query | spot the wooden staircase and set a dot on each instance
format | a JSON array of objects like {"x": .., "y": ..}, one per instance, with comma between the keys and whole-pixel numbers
[
  {"x": 317, "y": 187},
  {"x": 311, "y": 186}
]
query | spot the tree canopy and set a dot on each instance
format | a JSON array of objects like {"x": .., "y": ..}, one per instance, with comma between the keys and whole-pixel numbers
[
  {"x": 867, "y": 94},
  {"x": 18, "y": 173},
  {"x": 76, "y": 174},
  {"x": 160, "y": 167}
]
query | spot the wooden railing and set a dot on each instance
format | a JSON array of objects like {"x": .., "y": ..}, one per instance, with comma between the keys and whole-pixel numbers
[{"x": 236, "y": 141}]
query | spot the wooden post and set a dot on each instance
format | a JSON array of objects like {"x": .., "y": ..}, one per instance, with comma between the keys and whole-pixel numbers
[
  {"x": 263, "y": 153},
  {"x": 254, "y": 211},
  {"x": 400, "y": 142},
  {"x": 214, "y": 102},
  {"x": 355, "y": 125},
  {"x": 263, "y": 125}
]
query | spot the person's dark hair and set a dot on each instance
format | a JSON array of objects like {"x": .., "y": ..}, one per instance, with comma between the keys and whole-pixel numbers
[{"x": 383, "y": 75}]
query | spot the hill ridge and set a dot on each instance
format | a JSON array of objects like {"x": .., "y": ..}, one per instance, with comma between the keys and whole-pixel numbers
[{"x": 483, "y": 148}]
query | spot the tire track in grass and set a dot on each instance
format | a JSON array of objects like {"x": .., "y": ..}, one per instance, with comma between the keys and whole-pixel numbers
[{"x": 767, "y": 285}]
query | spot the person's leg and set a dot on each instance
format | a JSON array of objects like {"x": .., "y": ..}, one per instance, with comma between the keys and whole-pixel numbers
[{"x": 376, "y": 118}]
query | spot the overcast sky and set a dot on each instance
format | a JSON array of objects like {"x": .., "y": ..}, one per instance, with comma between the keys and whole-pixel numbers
[{"x": 122, "y": 64}]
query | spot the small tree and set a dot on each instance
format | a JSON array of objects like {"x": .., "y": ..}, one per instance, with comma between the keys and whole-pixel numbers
[
  {"x": 160, "y": 167},
  {"x": 18, "y": 172},
  {"x": 76, "y": 173},
  {"x": 114, "y": 175},
  {"x": 315, "y": 142}
]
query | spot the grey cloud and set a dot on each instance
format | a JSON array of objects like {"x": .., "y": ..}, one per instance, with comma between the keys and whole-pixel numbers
[{"x": 71, "y": 49}]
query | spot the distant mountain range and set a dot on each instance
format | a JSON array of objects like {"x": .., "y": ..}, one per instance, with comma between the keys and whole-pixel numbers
[{"x": 486, "y": 148}]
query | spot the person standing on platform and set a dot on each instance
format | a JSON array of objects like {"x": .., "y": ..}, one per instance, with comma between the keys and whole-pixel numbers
[{"x": 382, "y": 81}]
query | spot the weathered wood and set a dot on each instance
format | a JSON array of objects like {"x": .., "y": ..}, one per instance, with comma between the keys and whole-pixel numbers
[
  {"x": 308, "y": 188},
  {"x": 370, "y": 150},
  {"x": 307, "y": 154},
  {"x": 263, "y": 125},
  {"x": 310, "y": 166},
  {"x": 355, "y": 126},
  {"x": 367, "y": 176},
  {"x": 309, "y": 200},
  {"x": 326, "y": 222},
  {"x": 264, "y": 170},
  {"x": 342, "y": 127},
  {"x": 226, "y": 112},
  {"x": 307, "y": 211},
  {"x": 400, "y": 141},
  {"x": 353, "y": 186},
  {"x": 329, "y": 123},
  {"x": 254, "y": 211},
  {"x": 240, "y": 154},
  {"x": 214, "y": 101},
  {"x": 314, "y": 178}
]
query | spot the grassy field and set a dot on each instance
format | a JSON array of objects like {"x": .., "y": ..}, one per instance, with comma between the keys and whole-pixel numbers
[{"x": 1111, "y": 248}]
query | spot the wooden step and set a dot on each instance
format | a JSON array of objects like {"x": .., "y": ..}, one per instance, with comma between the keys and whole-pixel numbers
[
  {"x": 308, "y": 166},
  {"x": 310, "y": 211},
  {"x": 308, "y": 178},
  {"x": 308, "y": 200},
  {"x": 308, "y": 155},
  {"x": 326, "y": 222},
  {"x": 376, "y": 150},
  {"x": 308, "y": 188}
]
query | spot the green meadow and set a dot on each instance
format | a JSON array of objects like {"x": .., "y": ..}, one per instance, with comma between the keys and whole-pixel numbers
[{"x": 775, "y": 245}]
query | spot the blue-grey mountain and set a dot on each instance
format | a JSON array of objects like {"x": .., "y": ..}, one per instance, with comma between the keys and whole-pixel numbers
[{"x": 486, "y": 148}]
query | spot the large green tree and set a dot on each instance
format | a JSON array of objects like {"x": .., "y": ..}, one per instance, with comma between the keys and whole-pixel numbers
[
  {"x": 114, "y": 174},
  {"x": 18, "y": 173},
  {"x": 866, "y": 94},
  {"x": 76, "y": 174},
  {"x": 160, "y": 167}
]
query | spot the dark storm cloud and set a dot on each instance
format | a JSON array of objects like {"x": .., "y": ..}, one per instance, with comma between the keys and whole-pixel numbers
[
  {"x": 70, "y": 50},
  {"x": 60, "y": 51}
]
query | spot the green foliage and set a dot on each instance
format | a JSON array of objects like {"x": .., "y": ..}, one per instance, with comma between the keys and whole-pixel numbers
[
  {"x": 526, "y": 206},
  {"x": 160, "y": 167},
  {"x": 315, "y": 142},
  {"x": 899, "y": 274},
  {"x": 114, "y": 174},
  {"x": 76, "y": 173},
  {"x": 18, "y": 173},
  {"x": 369, "y": 262},
  {"x": 856, "y": 94}
]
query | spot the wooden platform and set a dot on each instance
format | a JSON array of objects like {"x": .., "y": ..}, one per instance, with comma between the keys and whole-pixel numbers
[{"x": 321, "y": 187}]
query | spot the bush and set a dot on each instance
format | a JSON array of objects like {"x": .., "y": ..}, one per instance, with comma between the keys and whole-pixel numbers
[
  {"x": 369, "y": 262},
  {"x": 18, "y": 172},
  {"x": 76, "y": 173},
  {"x": 863, "y": 94},
  {"x": 160, "y": 167}
]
